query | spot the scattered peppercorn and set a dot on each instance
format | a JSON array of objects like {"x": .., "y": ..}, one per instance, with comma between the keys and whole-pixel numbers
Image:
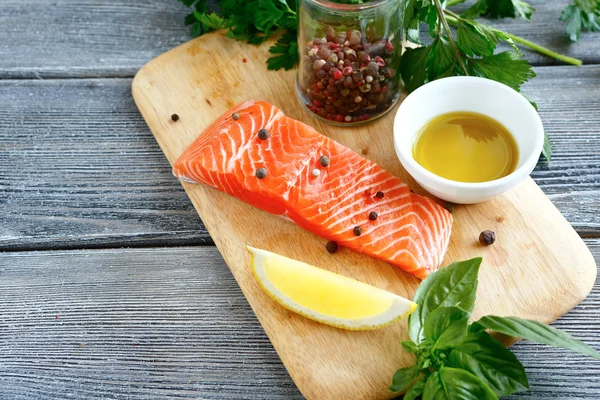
[
  {"x": 263, "y": 134},
  {"x": 332, "y": 247},
  {"x": 379, "y": 195},
  {"x": 487, "y": 237},
  {"x": 324, "y": 161},
  {"x": 261, "y": 173},
  {"x": 372, "y": 215},
  {"x": 316, "y": 172},
  {"x": 175, "y": 117},
  {"x": 357, "y": 231},
  {"x": 235, "y": 116}
]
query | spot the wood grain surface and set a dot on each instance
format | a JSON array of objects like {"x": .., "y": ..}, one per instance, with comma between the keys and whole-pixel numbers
[
  {"x": 87, "y": 38},
  {"x": 93, "y": 176},
  {"x": 100, "y": 196},
  {"x": 172, "y": 323},
  {"x": 533, "y": 274}
]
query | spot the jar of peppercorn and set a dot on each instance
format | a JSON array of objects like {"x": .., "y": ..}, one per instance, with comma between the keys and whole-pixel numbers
[{"x": 349, "y": 58}]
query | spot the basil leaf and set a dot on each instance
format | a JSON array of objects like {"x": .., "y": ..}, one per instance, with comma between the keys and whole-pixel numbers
[
  {"x": 409, "y": 346},
  {"x": 485, "y": 357},
  {"x": 536, "y": 332},
  {"x": 403, "y": 378},
  {"x": 476, "y": 327},
  {"x": 415, "y": 390},
  {"x": 453, "y": 383},
  {"x": 452, "y": 286},
  {"x": 446, "y": 327}
]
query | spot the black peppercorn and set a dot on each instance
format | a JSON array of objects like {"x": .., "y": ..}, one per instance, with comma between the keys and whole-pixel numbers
[
  {"x": 324, "y": 161},
  {"x": 261, "y": 173},
  {"x": 357, "y": 231},
  {"x": 332, "y": 247},
  {"x": 263, "y": 134},
  {"x": 175, "y": 117},
  {"x": 372, "y": 215},
  {"x": 379, "y": 195},
  {"x": 487, "y": 237},
  {"x": 235, "y": 116}
]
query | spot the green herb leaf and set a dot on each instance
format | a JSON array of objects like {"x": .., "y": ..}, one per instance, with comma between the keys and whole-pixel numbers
[
  {"x": 285, "y": 53},
  {"x": 446, "y": 327},
  {"x": 509, "y": 8},
  {"x": 547, "y": 148},
  {"x": 523, "y": 9},
  {"x": 212, "y": 20},
  {"x": 473, "y": 38},
  {"x": 415, "y": 390},
  {"x": 413, "y": 67},
  {"x": 536, "y": 332},
  {"x": 507, "y": 67},
  {"x": 582, "y": 15},
  {"x": 477, "y": 9},
  {"x": 432, "y": 19},
  {"x": 409, "y": 346},
  {"x": 508, "y": 40},
  {"x": 572, "y": 16},
  {"x": 452, "y": 286},
  {"x": 453, "y": 383},
  {"x": 441, "y": 63},
  {"x": 485, "y": 357},
  {"x": 587, "y": 5},
  {"x": 476, "y": 327},
  {"x": 403, "y": 378}
]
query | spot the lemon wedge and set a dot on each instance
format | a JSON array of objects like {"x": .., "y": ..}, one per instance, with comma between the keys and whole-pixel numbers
[{"x": 324, "y": 296}]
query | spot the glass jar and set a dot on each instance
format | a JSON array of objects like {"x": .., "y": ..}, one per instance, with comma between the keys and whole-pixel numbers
[{"x": 349, "y": 58}]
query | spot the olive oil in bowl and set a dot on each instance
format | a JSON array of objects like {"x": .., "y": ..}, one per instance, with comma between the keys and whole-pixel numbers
[{"x": 466, "y": 147}]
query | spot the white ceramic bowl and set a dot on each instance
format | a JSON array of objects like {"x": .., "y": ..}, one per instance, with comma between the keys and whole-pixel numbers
[{"x": 479, "y": 95}]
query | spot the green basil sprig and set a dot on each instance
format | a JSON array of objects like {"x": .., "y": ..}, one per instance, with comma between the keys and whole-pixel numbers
[{"x": 456, "y": 359}]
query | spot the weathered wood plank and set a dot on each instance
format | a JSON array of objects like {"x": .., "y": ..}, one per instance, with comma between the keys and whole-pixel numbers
[
  {"x": 108, "y": 39},
  {"x": 73, "y": 38},
  {"x": 546, "y": 29},
  {"x": 80, "y": 168},
  {"x": 171, "y": 322}
]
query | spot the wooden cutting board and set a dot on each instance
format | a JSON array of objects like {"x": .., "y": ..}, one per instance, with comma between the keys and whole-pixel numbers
[{"x": 538, "y": 268}]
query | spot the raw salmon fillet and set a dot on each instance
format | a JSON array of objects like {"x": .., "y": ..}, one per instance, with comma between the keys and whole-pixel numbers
[{"x": 411, "y": 231}]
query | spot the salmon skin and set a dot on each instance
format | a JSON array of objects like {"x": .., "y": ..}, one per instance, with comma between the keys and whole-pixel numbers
[{"x": 333, "y": 201}]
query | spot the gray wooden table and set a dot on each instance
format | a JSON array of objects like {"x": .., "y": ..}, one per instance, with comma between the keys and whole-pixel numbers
[{"x": 110, "y": 286}]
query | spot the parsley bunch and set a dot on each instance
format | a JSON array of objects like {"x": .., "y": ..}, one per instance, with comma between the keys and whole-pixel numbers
[
  {"x": 253, "y": 21},
  {"x": 456, "y": 359}
]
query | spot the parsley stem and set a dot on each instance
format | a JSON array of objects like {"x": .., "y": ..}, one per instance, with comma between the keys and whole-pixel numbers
[
  {"x": 444, "y": 22},
  {"x": 451, "y": 3},
  {"x": 543, "y": 50},
  {"x": 454, "y": 18}
]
